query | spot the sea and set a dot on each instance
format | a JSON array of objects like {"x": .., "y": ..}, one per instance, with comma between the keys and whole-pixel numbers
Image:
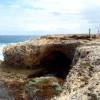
[{"x": 10, "y": 39}]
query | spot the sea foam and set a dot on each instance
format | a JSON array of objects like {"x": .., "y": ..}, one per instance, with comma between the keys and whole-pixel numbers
[{"x": 2, "y": 45}]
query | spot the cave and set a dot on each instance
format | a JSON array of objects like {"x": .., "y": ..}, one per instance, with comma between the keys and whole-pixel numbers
[{"x": 57, "y": 64}]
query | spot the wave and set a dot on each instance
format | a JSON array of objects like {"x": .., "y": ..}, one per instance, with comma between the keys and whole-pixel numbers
[{"x": 2, "y": 45}]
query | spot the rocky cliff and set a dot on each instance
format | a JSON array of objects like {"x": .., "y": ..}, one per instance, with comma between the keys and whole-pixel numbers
[
  {"x": 66, "y": 66},
  {"x": 83, "y": 80},
  {"x": 33, "y": 52},
  {"x": 52, "y": 55}
]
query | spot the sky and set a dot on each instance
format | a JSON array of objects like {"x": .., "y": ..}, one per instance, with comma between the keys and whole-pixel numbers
[{"x": 36, "y": 17}]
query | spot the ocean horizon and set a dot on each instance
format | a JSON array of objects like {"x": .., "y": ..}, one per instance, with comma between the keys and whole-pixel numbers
[{"x": 9, "y": 39}]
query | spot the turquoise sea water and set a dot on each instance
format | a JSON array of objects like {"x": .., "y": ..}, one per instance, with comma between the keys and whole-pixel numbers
[{"x": 5, "y": 40}]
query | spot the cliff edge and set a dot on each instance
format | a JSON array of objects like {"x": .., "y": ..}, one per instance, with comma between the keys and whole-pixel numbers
[{"x": 75, "y": 60}]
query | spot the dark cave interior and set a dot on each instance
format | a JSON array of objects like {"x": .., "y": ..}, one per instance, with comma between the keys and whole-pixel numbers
[{"x": 57, "y": 64}]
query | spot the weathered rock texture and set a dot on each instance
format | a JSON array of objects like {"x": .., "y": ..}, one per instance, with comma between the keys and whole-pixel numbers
[
  {"x": 33, "y": 52},
  {"x": 51, "y": 55},
  {"x": 83, "y": 80},
  {"x": 81, "y": 62},
  {"x": 43, "y": 88}
]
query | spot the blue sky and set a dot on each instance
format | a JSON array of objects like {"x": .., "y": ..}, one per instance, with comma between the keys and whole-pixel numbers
[{"x": 48, "y": 16}]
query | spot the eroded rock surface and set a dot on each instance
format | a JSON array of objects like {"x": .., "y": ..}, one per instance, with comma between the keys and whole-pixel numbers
[
  {"x": 51, "y": 55},
  {"x": 31, "y": 53},
  {"x": 82, "y": 81},
  {"x": 43, "y": 88}
]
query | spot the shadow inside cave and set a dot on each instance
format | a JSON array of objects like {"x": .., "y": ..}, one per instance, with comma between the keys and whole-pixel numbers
[{"x": 56, "y": 63}]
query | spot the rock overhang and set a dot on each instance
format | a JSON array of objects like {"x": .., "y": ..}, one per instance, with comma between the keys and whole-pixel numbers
[{"x": 30, "y": 54}]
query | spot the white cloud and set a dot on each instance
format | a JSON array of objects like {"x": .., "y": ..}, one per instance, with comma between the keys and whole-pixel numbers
[{"x": 49, "y": 15}]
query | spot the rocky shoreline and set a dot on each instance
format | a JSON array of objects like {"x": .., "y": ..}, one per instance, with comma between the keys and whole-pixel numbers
[{"x": 52, "y": 68}]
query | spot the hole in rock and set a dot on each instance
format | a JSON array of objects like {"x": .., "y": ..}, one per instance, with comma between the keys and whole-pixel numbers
[{"x": 56, "y": 63}]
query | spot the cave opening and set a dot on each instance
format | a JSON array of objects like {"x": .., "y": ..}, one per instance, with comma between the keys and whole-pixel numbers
[{"x": 57, "y": 64}]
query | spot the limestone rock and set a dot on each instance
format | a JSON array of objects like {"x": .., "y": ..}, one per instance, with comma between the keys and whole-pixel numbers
[
  {"x": 83, "y": 77},
  {"x": 43, "y": 88},
  {"x": 33, "y": 52},
  {"x": 83, "y": 80}
]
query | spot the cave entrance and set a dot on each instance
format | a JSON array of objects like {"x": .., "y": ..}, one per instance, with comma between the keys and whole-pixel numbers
[{"x": 57, "y": 64}]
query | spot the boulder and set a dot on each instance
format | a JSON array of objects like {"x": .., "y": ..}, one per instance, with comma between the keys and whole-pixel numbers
[{"x": 43, "y": 88}]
